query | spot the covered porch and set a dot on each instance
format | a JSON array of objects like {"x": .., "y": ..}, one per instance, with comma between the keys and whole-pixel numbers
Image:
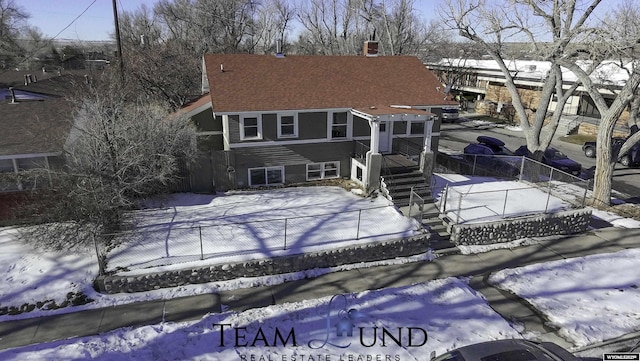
[{"x": 400, "y": 136}]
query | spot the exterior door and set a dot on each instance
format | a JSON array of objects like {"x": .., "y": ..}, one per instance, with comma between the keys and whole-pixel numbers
[{"x": 385, "y": 137}]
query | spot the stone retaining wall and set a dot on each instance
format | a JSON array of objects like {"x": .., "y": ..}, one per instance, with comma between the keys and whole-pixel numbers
[
  {"x": 592, "y": 129},
  {"x": 330, "y": 258},
  {"x": 560, "y": 223}
]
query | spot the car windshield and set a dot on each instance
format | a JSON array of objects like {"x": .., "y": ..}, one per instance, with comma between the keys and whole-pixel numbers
[
  {"x": 445, "y": 110},
  {"x": 553, "y": 153}
]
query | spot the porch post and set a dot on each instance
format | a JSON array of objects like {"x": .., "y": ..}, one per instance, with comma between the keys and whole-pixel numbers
[
  {"x": 375, "y": 136},
  {"x": 374, "y": 158},
  {"x": 427, "y": 157},
  {"x": 374, "y": 164}
]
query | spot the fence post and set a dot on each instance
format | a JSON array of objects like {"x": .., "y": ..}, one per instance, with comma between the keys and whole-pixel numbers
[
  {"x": 586, "y": 190},
  {"x": 459, "y": 209},
  {"x": 100, "y": 259},
  {"x": 546, "y": 207},
  {"x": 475, "y": 158},
  {"x": 201, "y": 249},
  {"x": 285, "y": 233},
  {"x": 358, "y": 228},
  {"x": 410, "y": 201},
  {"x": 504, "y": 207},
  {"x": 443, "y": 202}
]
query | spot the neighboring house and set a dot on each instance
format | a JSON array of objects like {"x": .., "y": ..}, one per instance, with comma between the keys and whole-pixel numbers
[
  {"x": 35, "y": 123},
  {"x": 274, "y": 119},
  {"x": 483, "y": 80}
]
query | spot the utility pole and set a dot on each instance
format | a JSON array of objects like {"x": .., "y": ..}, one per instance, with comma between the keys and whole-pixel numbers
[{"x": 118, "y": 43}]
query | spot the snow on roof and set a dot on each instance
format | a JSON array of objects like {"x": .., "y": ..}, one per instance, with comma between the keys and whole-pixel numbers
[{"x": 610, "y": 72}]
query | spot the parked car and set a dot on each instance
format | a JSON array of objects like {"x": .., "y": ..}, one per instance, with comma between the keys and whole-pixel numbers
[
  {"x": 487, "y": 154},
  {"x": 556, "y": 159},
  {"x": 508, "y": 350},
  {"x": 630, "y": 159},
  {"x": 450, "y": 114}
]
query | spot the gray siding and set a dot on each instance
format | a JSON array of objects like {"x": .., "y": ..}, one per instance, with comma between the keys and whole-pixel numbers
[
  {"x": 293, "y": 157},
  {"x": 269, "y": 127},
  {"x": 312, "y": 125},
  {"x": 234, "y": 128},
  {"x": 205, "y": 122}
]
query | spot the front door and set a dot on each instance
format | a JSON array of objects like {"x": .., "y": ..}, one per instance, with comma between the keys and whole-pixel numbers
[{"x": 385, "y": 137}]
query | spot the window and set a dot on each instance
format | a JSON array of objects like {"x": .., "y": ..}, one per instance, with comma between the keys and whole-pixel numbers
[
  {"x": 325, "y": 170},
  {"x": 267, "y": 176},
  {"x": 417, "y": 128},
  {"x": 339, "y": 123},
  {"x": 287, "y": 126},
  {"x": 250, "y": 127}
]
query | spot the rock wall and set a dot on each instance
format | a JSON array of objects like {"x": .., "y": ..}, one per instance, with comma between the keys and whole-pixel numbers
[
  {"x": 621, "y": 130},
  {"x": 560, "y": 223},
  {"x": 269, "y": 266}
]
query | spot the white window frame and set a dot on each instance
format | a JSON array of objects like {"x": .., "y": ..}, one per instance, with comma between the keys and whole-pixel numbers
[
  {"x": 266, "y": 169},
  {"x": 323, "y": 170},
  {"x": 330, "y": 116},
  {"x": 242, "y": 126},
  {"x": 295, "y": 125}
]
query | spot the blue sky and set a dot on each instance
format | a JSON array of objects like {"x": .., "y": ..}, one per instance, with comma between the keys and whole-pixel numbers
[{"x": 97, "y": 22}]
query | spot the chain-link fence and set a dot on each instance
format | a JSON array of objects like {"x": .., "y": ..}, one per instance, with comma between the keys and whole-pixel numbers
[
  {"x": 249, "y": 240},
  {"x": 540, "y": 189}
]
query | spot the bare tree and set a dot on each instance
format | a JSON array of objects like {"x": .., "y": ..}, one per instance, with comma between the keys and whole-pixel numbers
[
  {"x": 120, "y": 151},
  {"x": 613, "y": 45},
  {"x": 331, "y": 26},
  {"x": 21, "y": 45},
  {"x": 274, "y": 18},
  {"x": 163, "y": 68},
  {"x": 549, "y": 27}
]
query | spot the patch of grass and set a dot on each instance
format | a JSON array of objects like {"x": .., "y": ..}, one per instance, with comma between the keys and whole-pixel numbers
[{"x": 578, "y": 138}]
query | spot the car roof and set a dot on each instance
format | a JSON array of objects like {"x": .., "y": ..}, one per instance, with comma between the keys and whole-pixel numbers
[
  {"x": 490, "y": 140},
  {"x": 503, "y": 350}
]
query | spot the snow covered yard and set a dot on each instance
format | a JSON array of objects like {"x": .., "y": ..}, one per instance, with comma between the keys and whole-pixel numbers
[
  {"x": 590, "y": 299},
  {"x": 318, "y": 217},
  {"x": 238, "y": 226},
  {"x": 482, "y": 199}
]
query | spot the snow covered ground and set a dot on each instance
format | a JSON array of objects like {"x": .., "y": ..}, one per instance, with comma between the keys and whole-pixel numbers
[
  {"x": 591, "y": 298},
  {"x": 261, "y": 224}
]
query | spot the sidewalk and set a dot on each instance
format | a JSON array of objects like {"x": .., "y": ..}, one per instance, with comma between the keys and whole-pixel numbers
[{"x": 478, "y": 266}]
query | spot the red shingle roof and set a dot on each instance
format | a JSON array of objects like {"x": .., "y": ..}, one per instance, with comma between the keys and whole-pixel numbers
[{"x": 265, "y": 83}]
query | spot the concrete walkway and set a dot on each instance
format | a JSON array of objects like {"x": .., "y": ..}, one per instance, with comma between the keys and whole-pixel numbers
[{"x": 477, "y": 266}]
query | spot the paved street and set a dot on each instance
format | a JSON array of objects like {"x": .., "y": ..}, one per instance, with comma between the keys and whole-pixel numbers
[{"x": 456, "y": 136}]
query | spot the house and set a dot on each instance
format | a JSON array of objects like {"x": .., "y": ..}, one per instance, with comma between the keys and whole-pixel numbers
[
  {"x": 484, "y": 81},
  {"x": 35, "y": 123},
  {"x": 272, "y": 119}
]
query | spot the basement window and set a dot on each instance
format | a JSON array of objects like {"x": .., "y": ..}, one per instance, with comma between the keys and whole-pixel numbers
[
  {"x": 266, "y": 176},
  {"x": 326, "y": 170}
]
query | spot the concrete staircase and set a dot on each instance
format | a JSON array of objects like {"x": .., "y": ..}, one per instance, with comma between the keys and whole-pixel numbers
[
  {"x": 567, "y": 125},
  {"x": 398, "y": 183}
]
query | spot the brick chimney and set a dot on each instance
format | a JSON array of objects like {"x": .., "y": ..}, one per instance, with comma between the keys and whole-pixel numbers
[{"x": 370, "y": 48}]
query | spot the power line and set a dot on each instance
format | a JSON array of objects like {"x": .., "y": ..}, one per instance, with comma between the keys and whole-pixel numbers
[
  {"x": 74, "y": 20},
  {"x": 34, "y": 52}
]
